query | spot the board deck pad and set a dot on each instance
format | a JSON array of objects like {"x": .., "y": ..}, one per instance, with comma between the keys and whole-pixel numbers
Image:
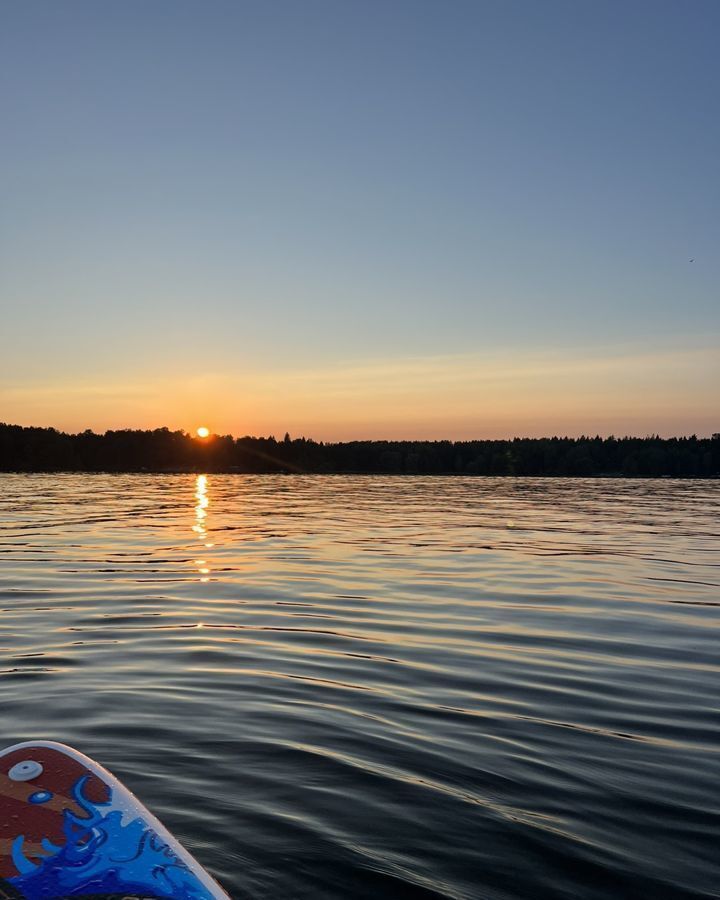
[{"x": 68, "y": 828}]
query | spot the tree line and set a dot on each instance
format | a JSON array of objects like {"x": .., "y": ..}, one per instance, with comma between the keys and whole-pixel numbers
[{"x": 161, "y": 450}]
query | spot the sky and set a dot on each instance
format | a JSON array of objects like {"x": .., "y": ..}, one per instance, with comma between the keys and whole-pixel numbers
[{"x": 371, "y": 219}]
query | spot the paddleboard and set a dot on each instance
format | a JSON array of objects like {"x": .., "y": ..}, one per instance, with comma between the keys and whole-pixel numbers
[{"x": 68, "y": 828}]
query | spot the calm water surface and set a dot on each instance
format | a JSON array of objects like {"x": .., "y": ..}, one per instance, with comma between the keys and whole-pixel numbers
[{"x": 341, "y": 687}]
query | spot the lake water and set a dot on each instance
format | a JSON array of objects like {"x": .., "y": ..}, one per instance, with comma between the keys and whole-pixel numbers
[{"x": 345, "y": 687}]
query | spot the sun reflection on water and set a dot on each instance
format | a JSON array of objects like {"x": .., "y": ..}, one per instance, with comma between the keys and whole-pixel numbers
[{"x": 202, "y": 501}]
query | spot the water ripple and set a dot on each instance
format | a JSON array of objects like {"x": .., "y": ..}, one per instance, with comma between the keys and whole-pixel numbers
[{"x": 383, "y": 687}]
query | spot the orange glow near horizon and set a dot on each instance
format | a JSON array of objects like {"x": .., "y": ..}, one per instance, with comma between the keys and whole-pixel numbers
[{"x": 498, "y": 395}]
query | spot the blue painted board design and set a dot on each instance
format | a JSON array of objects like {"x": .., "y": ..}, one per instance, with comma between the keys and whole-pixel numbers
[{"x": 112, "y": 847}]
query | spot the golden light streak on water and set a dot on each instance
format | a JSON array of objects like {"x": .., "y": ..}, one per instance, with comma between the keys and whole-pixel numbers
[{"x": 202, "y": 503}]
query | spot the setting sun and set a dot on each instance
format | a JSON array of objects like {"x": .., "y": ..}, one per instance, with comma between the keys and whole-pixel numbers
[{"x": 203, "y": 432}]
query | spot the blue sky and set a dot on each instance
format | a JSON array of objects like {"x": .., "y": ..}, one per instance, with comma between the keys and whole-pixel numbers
[{"x": 222, "y": 210}]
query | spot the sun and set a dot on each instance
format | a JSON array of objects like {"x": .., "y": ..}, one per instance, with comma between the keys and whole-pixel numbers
[{"x": 202, "y": 432}]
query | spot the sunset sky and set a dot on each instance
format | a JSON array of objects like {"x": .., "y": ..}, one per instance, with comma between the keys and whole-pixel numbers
[{"x": 361, "y": 219}]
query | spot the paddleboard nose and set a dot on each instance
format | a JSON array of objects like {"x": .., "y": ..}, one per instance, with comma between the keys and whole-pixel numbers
[{"x": 68, "y": 828}]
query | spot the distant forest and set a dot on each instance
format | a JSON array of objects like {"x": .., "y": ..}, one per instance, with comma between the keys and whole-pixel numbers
[{"x": 162, "y": 450}]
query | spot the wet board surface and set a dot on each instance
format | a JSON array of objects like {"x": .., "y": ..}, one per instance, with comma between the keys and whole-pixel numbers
[{"x": 68, "y": 828}]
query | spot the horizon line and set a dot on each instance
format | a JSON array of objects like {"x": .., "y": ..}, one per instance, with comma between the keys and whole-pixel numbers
[{"x": 713, "y": 435}]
